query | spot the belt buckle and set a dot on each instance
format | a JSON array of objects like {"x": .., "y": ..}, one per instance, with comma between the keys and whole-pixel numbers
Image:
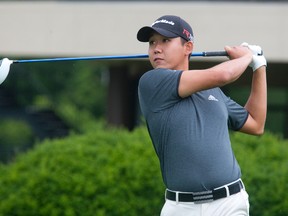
[{"x": 203, "y": 197}]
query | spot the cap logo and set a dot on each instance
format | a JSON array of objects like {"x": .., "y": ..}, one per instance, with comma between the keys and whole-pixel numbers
[
  {"x": 163, "y": 21},
  {"x": 188, "y": 34}
]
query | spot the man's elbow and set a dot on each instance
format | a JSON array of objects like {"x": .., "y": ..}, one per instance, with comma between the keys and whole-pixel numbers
[
  {"x": 255, "y": 130},
  {"x": 259, "y": 131}
]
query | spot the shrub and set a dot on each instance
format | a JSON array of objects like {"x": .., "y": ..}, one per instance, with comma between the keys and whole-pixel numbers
[
  {"x": 264, "y": 165},
  {"x": 10, "y": 141},
  {"x": 107, "y": 172},
  {"x": 116, "y": 172}
]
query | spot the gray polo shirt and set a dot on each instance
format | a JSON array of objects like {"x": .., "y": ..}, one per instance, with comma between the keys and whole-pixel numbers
[{"x": 190, "y": 135}]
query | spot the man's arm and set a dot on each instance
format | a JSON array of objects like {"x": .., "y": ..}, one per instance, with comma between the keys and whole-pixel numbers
[
  {"x": 256, "y": 104},
  {"x": 192, "y": 81}
]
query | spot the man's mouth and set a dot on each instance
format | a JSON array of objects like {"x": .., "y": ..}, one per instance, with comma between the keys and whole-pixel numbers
[{"x": 158, "y": 59}]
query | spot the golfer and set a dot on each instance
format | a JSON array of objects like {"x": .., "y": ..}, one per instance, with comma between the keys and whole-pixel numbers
[{"x": 188, "y": 118}]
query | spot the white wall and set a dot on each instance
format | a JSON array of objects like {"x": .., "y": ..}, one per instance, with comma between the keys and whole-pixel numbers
[{"x": 109, "y": 28}]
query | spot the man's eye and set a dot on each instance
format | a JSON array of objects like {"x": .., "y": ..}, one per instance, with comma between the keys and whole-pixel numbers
[
  {"x": 166, "y": 40},
  {"x": 151, "y": 42}
]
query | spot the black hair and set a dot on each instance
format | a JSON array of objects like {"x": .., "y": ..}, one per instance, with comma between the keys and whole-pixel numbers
[{"x": 183, "y": 43}]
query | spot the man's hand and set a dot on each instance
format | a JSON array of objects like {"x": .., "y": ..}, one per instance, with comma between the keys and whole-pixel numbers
[
  {"x": 258, "y": 57},
  {"x": 238, "y": 51}
]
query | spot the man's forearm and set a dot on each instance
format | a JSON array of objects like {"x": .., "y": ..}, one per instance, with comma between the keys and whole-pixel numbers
[{"x": 257, "y": 101}]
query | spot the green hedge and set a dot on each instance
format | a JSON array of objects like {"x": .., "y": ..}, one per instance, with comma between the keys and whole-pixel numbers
[
  {"x": 264, "y": 164},
  {"x": 107, "y": 172},
  {"x": 115, "y": 172},
  {"x": 15, "y": 137}
]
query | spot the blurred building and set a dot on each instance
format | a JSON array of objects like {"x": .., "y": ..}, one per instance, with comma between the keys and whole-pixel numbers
[{"x": 84, "y": 28}]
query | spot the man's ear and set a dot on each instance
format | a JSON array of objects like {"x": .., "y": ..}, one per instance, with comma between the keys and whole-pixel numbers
[{"x": 189, "y": 47}]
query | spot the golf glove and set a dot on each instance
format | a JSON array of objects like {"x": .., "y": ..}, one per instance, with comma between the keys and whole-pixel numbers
[{"x": 258, "y": 57}]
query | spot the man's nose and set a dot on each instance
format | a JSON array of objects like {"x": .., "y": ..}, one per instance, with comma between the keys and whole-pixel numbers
[{"x": 158, "y": 48}]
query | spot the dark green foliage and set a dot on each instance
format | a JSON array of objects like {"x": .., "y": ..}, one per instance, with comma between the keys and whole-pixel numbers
[
  {"x": 106, "y": 172},
  {"x": 15, "y": 136},
  {"x": 264, "y": 163},
  {"x": 76, "y": 91},
  {"x": 115, "y": 172},
  {"x": 10, "y": 130}
]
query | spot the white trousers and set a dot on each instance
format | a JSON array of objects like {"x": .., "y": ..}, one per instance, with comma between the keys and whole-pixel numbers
[{"x": 234, "y": 205}]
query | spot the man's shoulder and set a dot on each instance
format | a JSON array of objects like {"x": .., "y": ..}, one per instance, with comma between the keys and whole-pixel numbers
[
  {"x": 159, "y": 79},
  {"x": 159, "y": 72}
]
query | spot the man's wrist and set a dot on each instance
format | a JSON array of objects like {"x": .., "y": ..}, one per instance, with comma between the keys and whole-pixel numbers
[
  {"x": 260, "y": 69},
  {"x": 257, "y": 62}
]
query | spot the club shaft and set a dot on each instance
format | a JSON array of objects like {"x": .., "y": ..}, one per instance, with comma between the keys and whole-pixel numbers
[{"x": 139, "y": 56}]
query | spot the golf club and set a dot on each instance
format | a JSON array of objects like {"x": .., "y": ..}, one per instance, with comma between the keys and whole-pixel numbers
[{"x": 5, "y": 63}]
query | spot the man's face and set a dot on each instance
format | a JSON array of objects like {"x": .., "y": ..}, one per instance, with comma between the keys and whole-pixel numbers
[{"x": 168, "y": 53}]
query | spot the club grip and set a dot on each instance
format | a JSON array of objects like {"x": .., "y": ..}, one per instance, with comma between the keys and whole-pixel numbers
[{"x": 215, "y": 53}]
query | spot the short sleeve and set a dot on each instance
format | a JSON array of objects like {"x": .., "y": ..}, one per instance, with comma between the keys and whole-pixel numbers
[
  {"x": 158, "y": 89},
  {"x": 237, "y": 114}
]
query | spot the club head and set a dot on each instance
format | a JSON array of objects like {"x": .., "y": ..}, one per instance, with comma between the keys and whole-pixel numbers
[{"x": 4, "y": 68}]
